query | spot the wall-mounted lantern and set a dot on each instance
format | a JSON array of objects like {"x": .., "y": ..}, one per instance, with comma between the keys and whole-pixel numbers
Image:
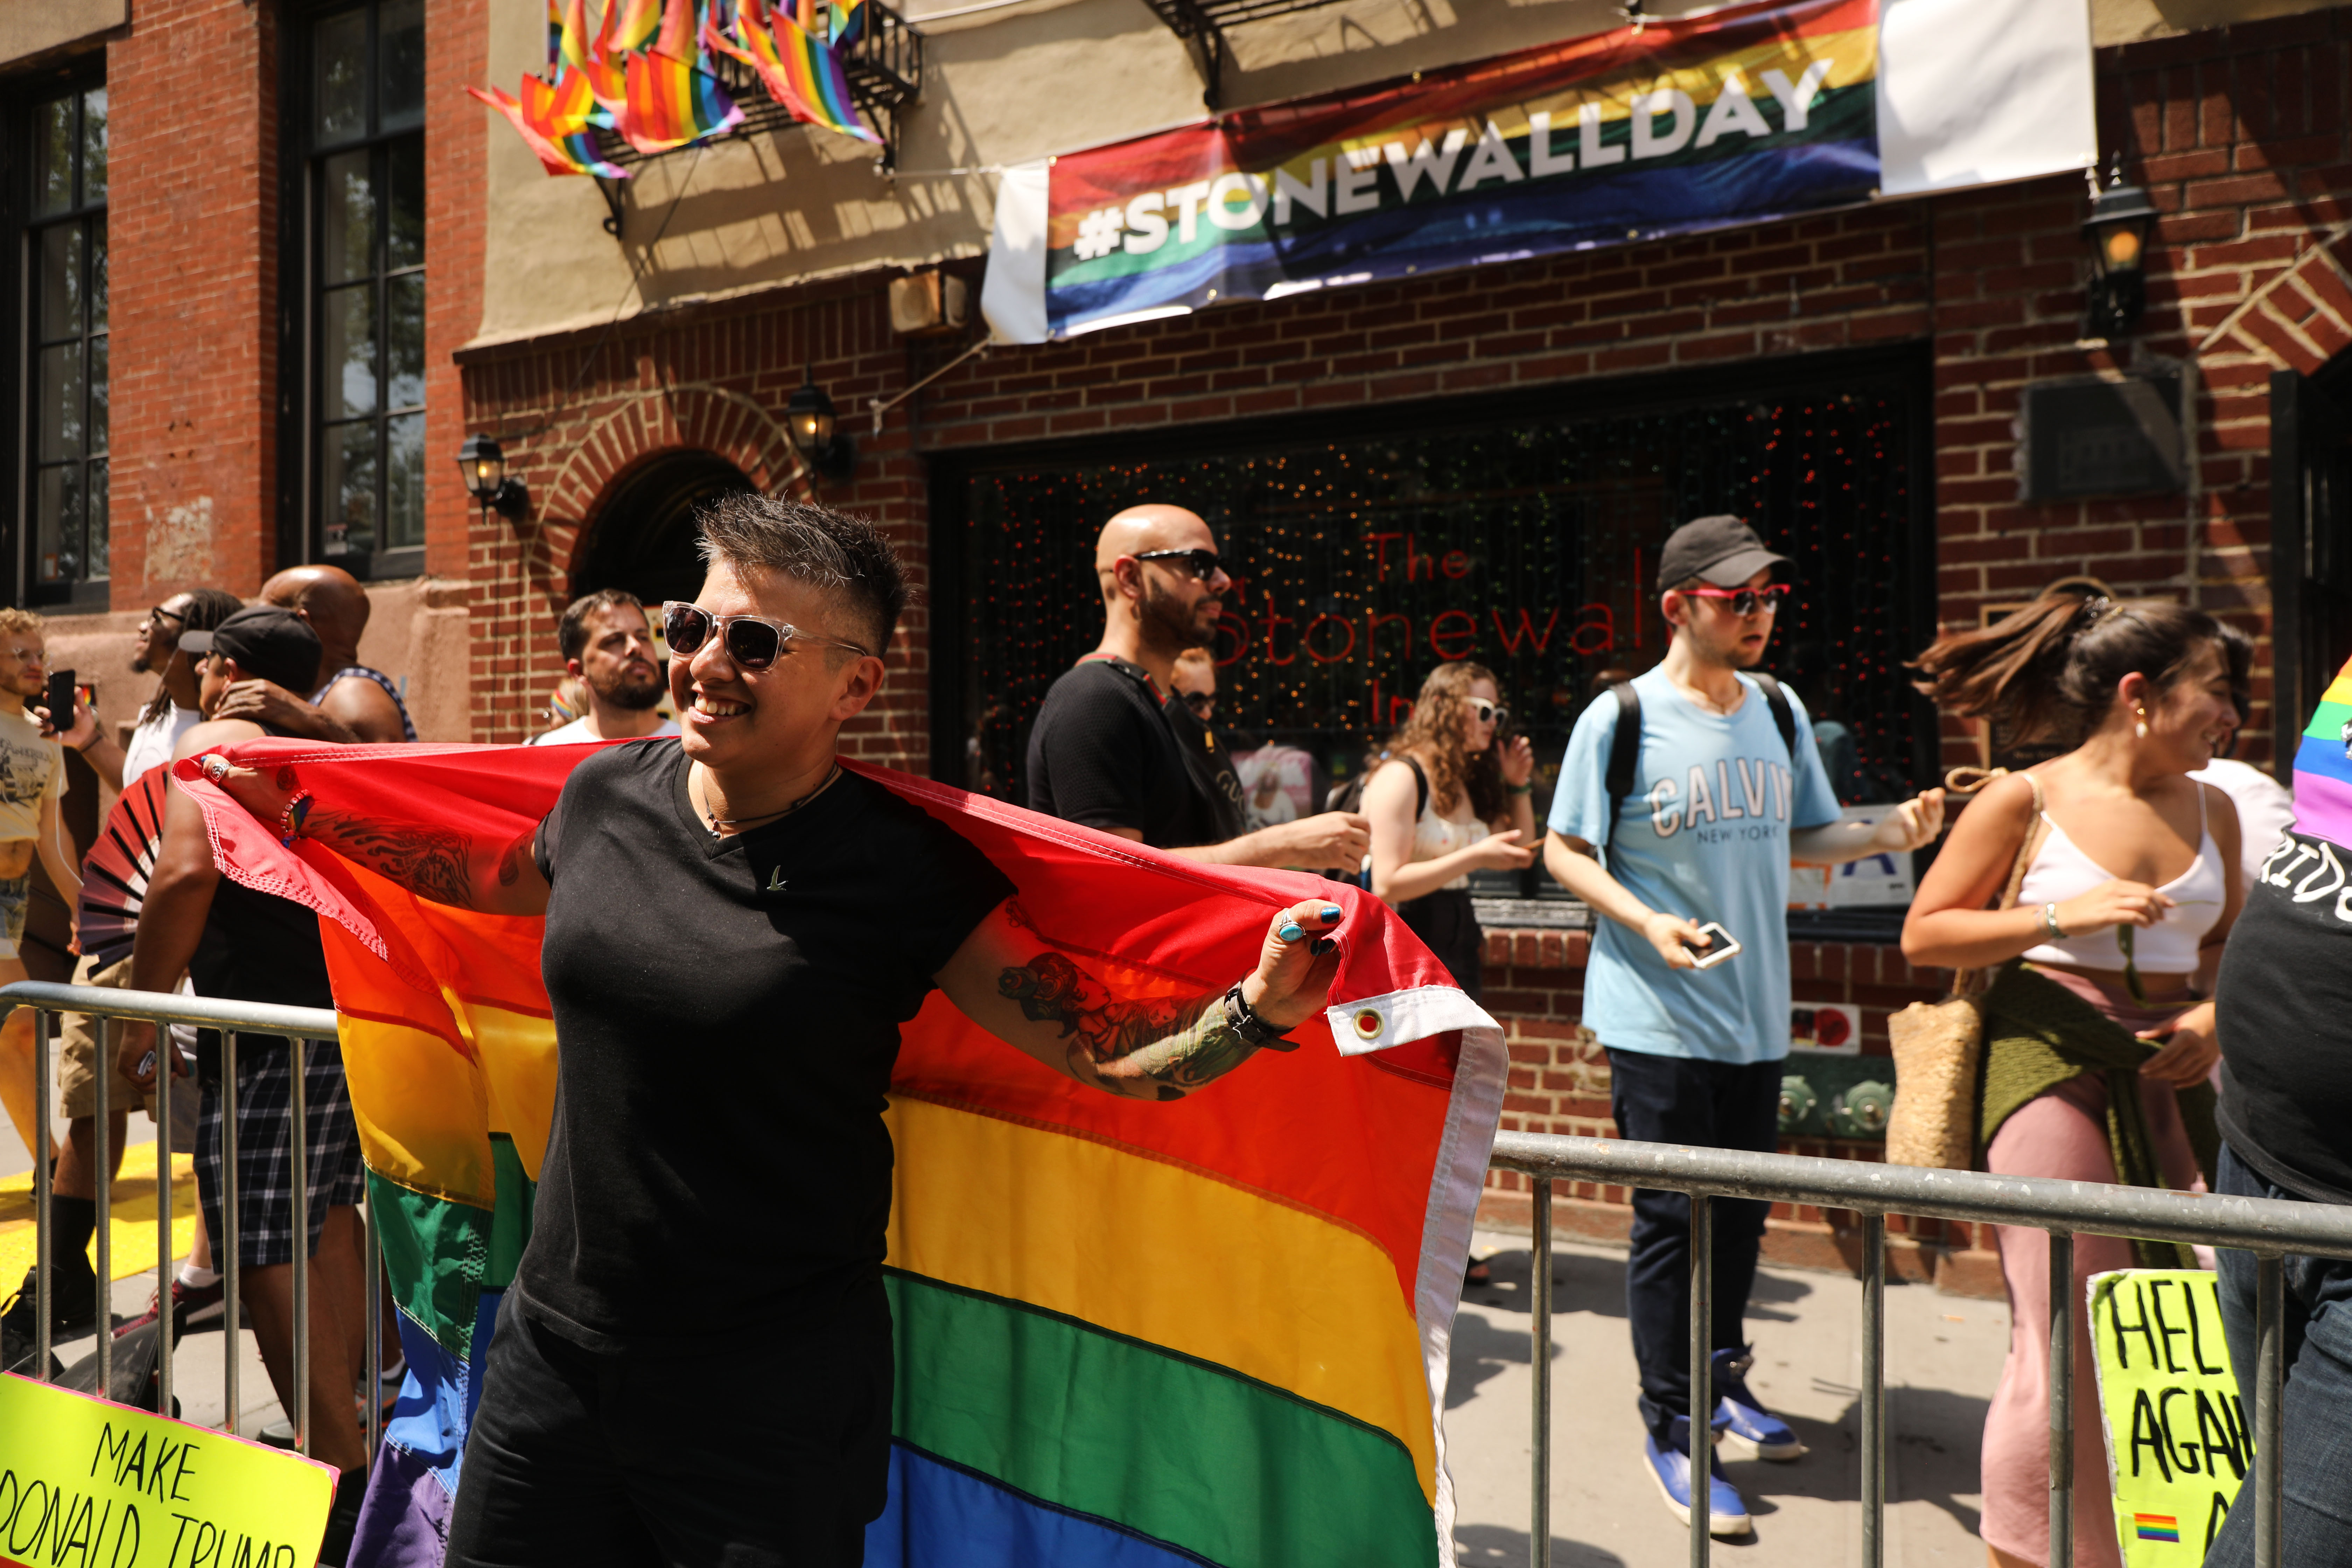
[
  {"x": 485, "y": 468},
  {"x": 809, "y": 422},
  {"x": 2118, "y": 227}
]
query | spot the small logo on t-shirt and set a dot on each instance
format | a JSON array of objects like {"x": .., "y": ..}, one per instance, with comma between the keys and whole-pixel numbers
[{"x": 775, "y": 880}]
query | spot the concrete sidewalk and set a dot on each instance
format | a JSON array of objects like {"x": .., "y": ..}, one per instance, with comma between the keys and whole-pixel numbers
[{"x": 1943, "y": 1357}]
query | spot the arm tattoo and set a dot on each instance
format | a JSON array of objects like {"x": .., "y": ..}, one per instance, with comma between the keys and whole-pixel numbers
[
  {"x": 434, "y": 863},
  {"x": 1159, "y": 1050}
]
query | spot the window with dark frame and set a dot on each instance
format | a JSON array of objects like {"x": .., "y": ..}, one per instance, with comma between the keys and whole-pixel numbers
[
  {"x": 365, "y": 170},
  {"x": 65, "y": 370}
]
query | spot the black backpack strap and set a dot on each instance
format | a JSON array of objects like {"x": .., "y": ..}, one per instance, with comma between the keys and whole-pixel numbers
[
  {"x": 1624, "y": 749},
  {"x": 1421, "y": 788},
  {"x": 1784, "y": 717}
]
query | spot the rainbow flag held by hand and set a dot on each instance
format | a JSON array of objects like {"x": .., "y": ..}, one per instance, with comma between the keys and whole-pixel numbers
[{"x": 1073, "y": 1388}]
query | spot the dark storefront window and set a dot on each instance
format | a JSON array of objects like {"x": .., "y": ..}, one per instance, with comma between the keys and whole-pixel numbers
[
  {"x": 366, "y": 200},
  {"x": 1527, "y": 544},
  {"x": 65, "y": 370}
]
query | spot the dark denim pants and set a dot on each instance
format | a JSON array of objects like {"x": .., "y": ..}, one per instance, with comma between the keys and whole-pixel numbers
[
  {"x": 1709, "y": 1105},
  {"x": 2316, "y": 1418}
]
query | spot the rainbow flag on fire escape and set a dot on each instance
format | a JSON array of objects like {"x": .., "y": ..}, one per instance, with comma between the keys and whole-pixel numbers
[
  {"x": 799, "y": 72},
  {"x": 1073, "y": 1388},
  {"x": 553, "y": 122}
]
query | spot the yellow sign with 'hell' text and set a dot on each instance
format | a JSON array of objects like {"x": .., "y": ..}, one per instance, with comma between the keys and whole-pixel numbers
[
  {"x": 2178, "y": 1442},
  {"x": 97, "y": 1485}
]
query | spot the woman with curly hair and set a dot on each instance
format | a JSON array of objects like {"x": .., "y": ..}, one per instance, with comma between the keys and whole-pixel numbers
[
  {"x": 1451, "y": 799},
  {"x": 2097, "y": 1039}
]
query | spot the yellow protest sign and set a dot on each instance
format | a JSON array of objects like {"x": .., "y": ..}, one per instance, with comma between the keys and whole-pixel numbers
[
  {"x": 2178, "y": 1442},
  {"x": 98, "y": 1485}
]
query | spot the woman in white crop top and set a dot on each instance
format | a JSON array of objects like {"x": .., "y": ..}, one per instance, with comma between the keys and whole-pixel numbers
[
  {"x": 2130, "y": 886},
  {"x": 1453, "y": 798}
]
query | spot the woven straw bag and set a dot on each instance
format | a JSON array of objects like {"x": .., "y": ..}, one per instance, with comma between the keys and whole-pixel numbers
[{"x": 1937, "y": 1046}]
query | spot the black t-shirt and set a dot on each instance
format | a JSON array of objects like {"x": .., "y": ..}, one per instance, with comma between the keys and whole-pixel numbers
[
  {"x": 1102, "y": 755},
  {"x": 2284, "y": 997},
  {"x": 727, "y": 1013}
]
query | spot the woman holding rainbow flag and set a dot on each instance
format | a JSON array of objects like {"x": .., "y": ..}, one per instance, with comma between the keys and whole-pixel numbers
[{"x": 736, "y": 929}]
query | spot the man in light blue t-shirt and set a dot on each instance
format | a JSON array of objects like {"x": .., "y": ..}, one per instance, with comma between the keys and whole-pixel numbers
[{"x": 1718, "y": 803}]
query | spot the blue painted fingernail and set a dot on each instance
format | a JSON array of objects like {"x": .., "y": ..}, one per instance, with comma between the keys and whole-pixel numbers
[
  {"x": 1291, "y": 930},
  {"x": 1332, "y": 912},
  {"x": 1322, "y": 944}
]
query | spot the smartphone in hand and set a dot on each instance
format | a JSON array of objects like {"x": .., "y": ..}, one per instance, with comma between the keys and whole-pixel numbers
[
  {"x": 61, "y": 700},
  {"x": 1725, "y": 947}
]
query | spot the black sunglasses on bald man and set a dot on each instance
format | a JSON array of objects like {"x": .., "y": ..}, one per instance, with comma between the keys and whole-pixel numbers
[{"x": 1201, "y": 563}]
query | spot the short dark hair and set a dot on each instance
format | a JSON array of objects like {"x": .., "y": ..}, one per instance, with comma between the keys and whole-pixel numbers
[
  {"x": 572, "y": 627},
  {"x": 846, "y": 556}
]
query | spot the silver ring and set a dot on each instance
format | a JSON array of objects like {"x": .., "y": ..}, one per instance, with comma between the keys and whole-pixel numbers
[{"x": 216, "y": 767}]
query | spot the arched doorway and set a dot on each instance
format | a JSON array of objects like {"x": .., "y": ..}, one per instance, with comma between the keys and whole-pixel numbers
[{"x": 643, "y": 536}]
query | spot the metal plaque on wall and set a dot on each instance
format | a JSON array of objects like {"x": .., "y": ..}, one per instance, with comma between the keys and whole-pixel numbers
[{"x": 2088, "y": 437}]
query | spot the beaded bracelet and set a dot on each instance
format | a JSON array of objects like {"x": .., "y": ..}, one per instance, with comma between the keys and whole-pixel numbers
[{"x": 290, "y": 820}]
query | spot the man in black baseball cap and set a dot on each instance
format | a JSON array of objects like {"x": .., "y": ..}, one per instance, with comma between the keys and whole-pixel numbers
[
  {"x": 237, "y": 943},
  {"x": 1718, "y": 786},
  {"x": 264, "y": 642}
]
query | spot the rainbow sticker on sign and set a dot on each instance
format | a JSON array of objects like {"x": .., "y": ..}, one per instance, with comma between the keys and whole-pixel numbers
[
  {"x": 1664, "y": 127},
  {"x": 2156, "y": 1527}
]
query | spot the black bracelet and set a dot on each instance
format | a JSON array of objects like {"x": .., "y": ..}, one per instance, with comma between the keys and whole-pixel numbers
[{"x": 1243, "y": 1019}]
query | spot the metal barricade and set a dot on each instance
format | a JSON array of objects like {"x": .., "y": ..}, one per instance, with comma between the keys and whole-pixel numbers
[
  {"x": 2268, "y": 1228},
  {"x": 298, "y": 1027}
]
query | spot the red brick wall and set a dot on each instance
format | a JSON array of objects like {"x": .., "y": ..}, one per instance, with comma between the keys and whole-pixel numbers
[
  {"x": 192, "y": 224},
  {"x": 456, "y": 154}
]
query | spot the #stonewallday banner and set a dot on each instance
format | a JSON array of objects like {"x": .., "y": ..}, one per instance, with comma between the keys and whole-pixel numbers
[{"x": 1756, "y": 112}]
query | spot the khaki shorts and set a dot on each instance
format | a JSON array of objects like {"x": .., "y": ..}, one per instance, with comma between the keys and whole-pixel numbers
[{"x": 77, "y": 1074}]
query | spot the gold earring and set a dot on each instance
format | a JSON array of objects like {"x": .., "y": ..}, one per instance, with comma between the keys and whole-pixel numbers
[{"x": 2140, "y": 728}]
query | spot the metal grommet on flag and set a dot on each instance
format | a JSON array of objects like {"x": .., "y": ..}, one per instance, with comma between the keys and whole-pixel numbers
[{"x": 1369, "y": 1023}]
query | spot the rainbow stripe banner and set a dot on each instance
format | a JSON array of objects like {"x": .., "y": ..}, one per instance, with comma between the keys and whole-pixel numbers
[
  {"x": 632, "y": 24},
  {"x": 671, "y": 102},
  {"x": 1073, "y": 1388},
  {"x": 1666, "y": 126}
]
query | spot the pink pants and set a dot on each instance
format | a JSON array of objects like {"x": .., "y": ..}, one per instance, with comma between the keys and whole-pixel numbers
[{"x": 2064, "y": 1134}]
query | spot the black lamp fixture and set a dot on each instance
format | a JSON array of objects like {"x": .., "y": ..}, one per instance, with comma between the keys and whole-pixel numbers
[
  {"x": 485, "y": 468},
  {"x": 2118, "y": 229},
  {"x": 809, "y": 422}
]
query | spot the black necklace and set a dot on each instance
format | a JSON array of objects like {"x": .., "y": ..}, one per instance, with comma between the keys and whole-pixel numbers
[{"x": 718, "y": 821}]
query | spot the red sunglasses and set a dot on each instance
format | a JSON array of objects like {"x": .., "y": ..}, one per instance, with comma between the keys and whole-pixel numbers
[{"x": 1744, "y": 601}]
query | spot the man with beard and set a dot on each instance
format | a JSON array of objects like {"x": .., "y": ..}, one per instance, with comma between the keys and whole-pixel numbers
[
  {"x": 349, "y": 702},
  {"x": 1103, "y": 753},
  {"x": 608, "y": 644}
]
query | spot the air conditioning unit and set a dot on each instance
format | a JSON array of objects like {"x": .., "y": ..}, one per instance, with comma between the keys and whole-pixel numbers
[{"x": 927, "y": 304}]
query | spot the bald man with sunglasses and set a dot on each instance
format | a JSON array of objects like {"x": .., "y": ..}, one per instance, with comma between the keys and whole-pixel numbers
[{"x": 1104, "y": 754}]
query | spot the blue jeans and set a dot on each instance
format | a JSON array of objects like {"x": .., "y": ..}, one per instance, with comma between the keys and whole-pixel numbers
[
  {"x": 2316, "y": 1418},
  {"x": 1709, "y": 1105}
]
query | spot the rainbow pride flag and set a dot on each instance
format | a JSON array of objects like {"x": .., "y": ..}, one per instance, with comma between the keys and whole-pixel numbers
[
  {"x": 1073, "y": 1388},
  {"x": 2156, "y": 1527},
  {"x": 800, "y": 72},
  {"x": 553, "y": 122},
  {"x": 632, "y": 24},
  {"x": 847, "y": 25},
  {"x": 670, "y": 103},
  {"x": 2323, "y": 765}
]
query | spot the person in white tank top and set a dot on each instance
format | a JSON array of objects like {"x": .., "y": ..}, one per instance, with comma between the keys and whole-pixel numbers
[
  {"x": 2130, "y": 885},
  {"x": 1425, "y": 806}
]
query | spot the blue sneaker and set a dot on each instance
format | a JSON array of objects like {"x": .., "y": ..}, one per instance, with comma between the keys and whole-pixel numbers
[
  {"x": 1748, "y": 1429},
  {"x": 1671, "y": 1469}
]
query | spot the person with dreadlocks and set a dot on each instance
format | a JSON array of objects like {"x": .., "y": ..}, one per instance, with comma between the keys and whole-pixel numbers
[{"x": 2096, "y": 1043}]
